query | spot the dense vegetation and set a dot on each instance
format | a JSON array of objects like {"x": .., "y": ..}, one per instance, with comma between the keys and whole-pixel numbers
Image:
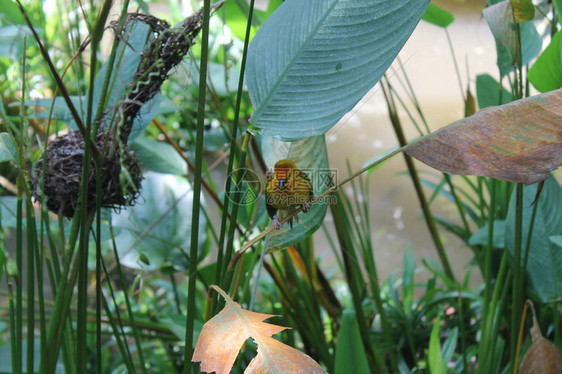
[{"x": 133, "y": 153}]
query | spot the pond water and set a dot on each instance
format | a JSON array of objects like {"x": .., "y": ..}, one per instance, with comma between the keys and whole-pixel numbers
[{"x": 395, "y": 215}]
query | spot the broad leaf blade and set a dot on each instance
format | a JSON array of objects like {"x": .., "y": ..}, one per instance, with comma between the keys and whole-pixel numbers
[
  {"x": 490, "y": 93},
  {"x": 312, "y": 61},
  {"x": 350, "y": 352},
  {"x": 546, "y": 73},
  {"x": 517, "y": 142},
  {"x": 309, "y": 155}
]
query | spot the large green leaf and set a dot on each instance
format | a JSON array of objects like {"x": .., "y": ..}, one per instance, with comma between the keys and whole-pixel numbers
[
  {"x": 158, "y": 227},
  {"x": 546, "y": 73},
  {"x": 312, "y": 61},
  {"x": 350, "y": 352},
  {"x": 544, "y": 267},
  {"x": 309, "y": 155}
]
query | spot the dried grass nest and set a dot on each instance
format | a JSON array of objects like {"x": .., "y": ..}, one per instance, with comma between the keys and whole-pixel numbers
[{"x": 62, "y": 164}]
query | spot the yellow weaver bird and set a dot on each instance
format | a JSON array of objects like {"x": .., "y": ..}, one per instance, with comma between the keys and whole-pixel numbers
[{"x": 287, "y": 188}]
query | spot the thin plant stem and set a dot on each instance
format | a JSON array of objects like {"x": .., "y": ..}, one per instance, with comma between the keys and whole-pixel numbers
[
  {"x": 517, "y": 286},
  {"x": 127, "y": 301},
  {"x": 260, "y": 266},
  {"x": 224, "y": 254},
  {"x": 455, "y": 63},
  {"x": 194, "y": 245}
]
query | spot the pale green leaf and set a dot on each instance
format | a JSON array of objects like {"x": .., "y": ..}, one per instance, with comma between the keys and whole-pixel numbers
[{"x": 312, "y": 61}]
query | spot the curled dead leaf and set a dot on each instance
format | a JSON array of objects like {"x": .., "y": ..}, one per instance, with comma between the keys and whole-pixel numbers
[
  {"x": 223, "y": 335},
  {"x": 516, "y": 142}
]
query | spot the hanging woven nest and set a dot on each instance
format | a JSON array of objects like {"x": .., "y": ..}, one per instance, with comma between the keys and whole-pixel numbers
[
  {"x": 120, "y": 175},
  {"x": 58, "y": 174}
]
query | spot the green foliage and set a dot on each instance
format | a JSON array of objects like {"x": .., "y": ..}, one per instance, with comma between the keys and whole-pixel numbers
[
  {"x": 437, "y": 16},
  {"x": 324, "y": 62},
  {"x": 546, "y": 72},
  {"x": 542, "y": 257},
  {"x": 8, "y": 150},
  {"x": 350, "y": 354},
  {"x": 307, "y": 66}
]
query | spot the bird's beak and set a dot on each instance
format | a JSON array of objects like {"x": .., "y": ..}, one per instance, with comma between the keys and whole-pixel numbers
[{"x": 282, "y": 183}]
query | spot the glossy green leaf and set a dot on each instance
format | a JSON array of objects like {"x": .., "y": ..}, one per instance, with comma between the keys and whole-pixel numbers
[
  {"x": 350, "y": 353},
  {"x": 544, "y": 267},
  {"x": 8, "y": 150},
  {"x": 438, "y": 16},
  {"x": 517, "y": 142},
  {"x": 435, "y": 359},
  {"x": 159, "y": 157},
  {"x": 546, "y": 73},
  {"x": 489, "y": 92},
  {"x": 312, "y": 61},
  {"x": 309, "y": 155},
  {"x": 159, "y": 225}
]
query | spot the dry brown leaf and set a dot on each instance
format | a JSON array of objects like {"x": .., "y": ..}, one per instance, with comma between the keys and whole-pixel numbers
[
  {"x": 223, "y": 335},
  {"x": 517, "y": 142},
  {"x": 542, "y": 356}
]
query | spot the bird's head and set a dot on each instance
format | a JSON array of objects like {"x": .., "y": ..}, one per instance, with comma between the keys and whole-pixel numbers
[{"x": 283, "y": 170}]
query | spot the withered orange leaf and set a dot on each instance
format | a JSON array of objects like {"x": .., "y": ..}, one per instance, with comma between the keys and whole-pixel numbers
[
  {"x": 516, "y": 142},
  {"x": 542, "y": 356},
  {"x": 223, "y": 335}
]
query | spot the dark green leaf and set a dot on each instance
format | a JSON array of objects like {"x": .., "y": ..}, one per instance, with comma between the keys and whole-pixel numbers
[
  {"x": 489, "y": 92},
  {"x": 544, "y": 267},
  {"x": 480, "y": 237},
  {"x": 350, "y": 353}
]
